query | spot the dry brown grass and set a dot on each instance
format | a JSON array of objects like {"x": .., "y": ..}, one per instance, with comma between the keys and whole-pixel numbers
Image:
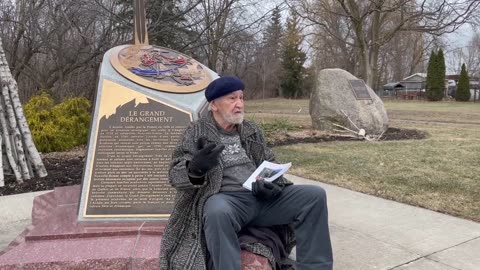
[{"x": 441, "y": 173}]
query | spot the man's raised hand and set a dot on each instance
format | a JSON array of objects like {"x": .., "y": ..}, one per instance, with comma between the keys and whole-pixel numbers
[{"x": 206, "y": 157}]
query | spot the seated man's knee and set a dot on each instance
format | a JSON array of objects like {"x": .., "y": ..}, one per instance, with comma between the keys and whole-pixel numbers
[
  {"x": 320, "y": 192},
  {"x": 216, "y": 210},
  {"x": 316, "y": 193}
]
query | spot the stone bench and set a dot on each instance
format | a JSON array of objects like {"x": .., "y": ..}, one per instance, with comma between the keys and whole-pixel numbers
[{"x": 55, "y": 240}]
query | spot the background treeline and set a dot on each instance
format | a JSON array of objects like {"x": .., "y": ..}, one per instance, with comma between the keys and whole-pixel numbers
[{"x": 56, "y": 46}]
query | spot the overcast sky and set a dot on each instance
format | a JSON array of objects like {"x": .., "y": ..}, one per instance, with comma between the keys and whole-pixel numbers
[{"x": 457, "y": 40}]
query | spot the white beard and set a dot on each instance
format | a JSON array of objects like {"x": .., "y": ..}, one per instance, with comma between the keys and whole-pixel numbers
[{"x": 233, "y": 118}]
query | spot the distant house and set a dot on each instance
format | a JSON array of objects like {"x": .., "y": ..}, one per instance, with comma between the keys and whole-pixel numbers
[
  {"x": 415, "y": 82},
  {"x": 414, "y": 86},
  {"x": 393, "y": 86},
  {"x": 474, "y": 85},
  {"x": 452, "y": 87},
  {"x": 390, "y": 89},
  {"x": 474, "y": 81},
  {"x": 475, "y": 90}
]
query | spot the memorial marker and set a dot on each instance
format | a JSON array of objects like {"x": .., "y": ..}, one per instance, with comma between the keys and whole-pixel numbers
[
  {"x": 360, "y": 89},
  {"x": 146, "y": 96}
]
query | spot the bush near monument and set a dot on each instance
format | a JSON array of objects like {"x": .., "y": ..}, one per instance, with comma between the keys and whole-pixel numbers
[
  {"x": 58, "y": 127},
  {"x": 463, "y": 88}
]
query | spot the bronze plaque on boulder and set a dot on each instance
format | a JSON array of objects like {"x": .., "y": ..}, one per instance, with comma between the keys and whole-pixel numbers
[
  {"x": 133, "y": 144},
  {"x": 359, "y": 89}
]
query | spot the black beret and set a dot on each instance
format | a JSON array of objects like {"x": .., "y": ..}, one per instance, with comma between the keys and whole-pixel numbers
[{"x": 223, "y": 86}]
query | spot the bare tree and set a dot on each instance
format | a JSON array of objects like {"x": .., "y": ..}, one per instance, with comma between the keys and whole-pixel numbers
[
  {"x": 404, "y": 55},
  {"x": 56, "y": 45},
  {"x": 376, "y": 22},
  {"x": 468, "y": 55},
  {"x": 217, "y": 25},
  {"x": 16, "y": 139},
  {"x": 328, "y": 42}
]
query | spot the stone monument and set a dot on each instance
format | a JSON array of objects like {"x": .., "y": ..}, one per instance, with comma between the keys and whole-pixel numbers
[
  {"x": 341, "y": 98},
  {"x": 146, "y": 97}
]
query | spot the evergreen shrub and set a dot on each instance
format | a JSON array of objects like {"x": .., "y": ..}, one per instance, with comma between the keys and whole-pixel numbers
[
  {"x": 463, "y": 87},
  {"x": 58, "y": 127},
  {"x": 435, "y": 84}
]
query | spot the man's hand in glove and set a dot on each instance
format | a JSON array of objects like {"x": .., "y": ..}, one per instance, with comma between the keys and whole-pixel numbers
[
  {"x": 265, "y": 190},
  {"x": 206, "y": 157}
]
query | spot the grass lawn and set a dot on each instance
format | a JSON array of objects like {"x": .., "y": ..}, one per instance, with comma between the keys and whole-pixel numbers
[{"x": 441, "y": 173}]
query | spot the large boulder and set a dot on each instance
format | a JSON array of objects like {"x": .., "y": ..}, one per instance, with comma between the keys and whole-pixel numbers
[{"x": 333, "y": 99}]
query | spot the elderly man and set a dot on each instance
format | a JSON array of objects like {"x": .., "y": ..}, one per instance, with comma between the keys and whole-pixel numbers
[{"x": 213, "y": 211}]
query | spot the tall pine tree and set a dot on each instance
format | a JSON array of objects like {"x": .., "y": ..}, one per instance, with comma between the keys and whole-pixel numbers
[
  {"x": 430, "y": 73},
  {"x": 293, "y": 59},
  {"x": 436, "y": 76},
  {"x": 164, "y": 21},
  {"x": 463, "y": 87},
  {"x": 442, "y": 69},
  {"x": 273, "y": 33},
  {"x": 270, "y": 55}
]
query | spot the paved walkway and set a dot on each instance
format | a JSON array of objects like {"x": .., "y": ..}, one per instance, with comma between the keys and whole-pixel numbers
[
  {"x": 367, "y": 232},
  {"x": 15, "y": 215}
]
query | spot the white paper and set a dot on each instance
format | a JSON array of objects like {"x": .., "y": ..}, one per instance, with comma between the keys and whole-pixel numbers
[{"x": 268, "y": 171}]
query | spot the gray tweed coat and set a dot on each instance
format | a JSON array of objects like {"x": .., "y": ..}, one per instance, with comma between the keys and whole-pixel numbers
[{"x": 183, "y": 245}]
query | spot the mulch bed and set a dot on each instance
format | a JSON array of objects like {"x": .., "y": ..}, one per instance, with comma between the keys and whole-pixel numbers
[
  {"x": 66, "y": 168},
  {"x": 309, "y": 136}
]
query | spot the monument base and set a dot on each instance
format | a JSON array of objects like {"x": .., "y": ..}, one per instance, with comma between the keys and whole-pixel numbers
[{"x": 55, "y": 240}]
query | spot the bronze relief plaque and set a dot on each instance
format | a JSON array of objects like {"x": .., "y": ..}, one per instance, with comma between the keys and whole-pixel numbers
[
  {"x": 160, "y": 68},
  {"x": 360, "y": 89}
]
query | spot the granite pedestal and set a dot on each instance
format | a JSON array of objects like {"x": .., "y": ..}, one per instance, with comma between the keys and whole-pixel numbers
[{"x": 55, "y": 240}]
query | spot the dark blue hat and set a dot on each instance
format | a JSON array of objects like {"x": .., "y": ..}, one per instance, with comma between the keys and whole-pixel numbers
[{"x": 223, "y": 86}]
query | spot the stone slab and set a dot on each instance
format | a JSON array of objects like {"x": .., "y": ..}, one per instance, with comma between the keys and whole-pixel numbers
[
  {"x": 147, "y": 246},
  {"x": 58, "y": 241},
  {"x": 42, "y": 206},
  {"x": 66, "y": 250},
  {"x": 67, "y": 227}
]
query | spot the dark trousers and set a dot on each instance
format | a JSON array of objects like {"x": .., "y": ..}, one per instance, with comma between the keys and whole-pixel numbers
[{"x": 226, "y": 213}]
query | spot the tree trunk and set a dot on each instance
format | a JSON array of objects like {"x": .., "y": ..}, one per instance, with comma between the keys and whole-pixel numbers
[
  {"x": 2, "y": 181},
  {"x": 17, "y": 139},
  {"x": 8, "y": 143}
]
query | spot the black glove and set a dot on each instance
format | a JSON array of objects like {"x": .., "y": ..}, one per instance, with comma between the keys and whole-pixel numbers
[
  {"x": 207, "y": 157},
  {"x": 265, "y": 190}
]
